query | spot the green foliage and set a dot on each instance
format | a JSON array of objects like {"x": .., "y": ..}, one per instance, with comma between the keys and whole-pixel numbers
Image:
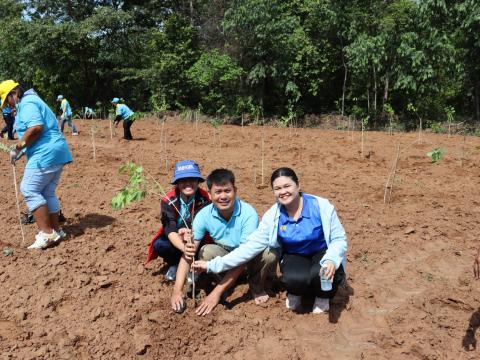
[
  {"x": 269, "y": 57},
  {"x": 215, "y": 78},
  {"x": 450, "y": 113},
  {"x": 136, "y": 188},
  {"x": 436, "y": 154},
  {"x": 437, "y": 127},
  {"x": 7, "y": 252}
]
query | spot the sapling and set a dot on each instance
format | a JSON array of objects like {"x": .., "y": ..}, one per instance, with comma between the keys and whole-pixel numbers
[
  {"x": 364, "y": 125},
  {"x": 411, "y": 108},
  {"x": 216, "y": 132},
  {"x": 387, "y": 196},
  {"x": 436, "y": 154},
  {"x": 137, "y": 188},
  {"x": 390, "y": 113},
  {"x": 450, "y": 112},
  {"x": 93, "y": 132}
]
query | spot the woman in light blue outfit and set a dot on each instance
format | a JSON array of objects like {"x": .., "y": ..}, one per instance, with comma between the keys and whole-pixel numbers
[
  {"x": 47, "y": 152},
  {"x": 310, "y": 236},
  {"x": 123, "y": 112},
  {"x": 67, "y": 115}
]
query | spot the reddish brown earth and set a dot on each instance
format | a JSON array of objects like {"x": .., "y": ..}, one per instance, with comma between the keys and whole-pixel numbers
[{"x": 411, "y": 289}]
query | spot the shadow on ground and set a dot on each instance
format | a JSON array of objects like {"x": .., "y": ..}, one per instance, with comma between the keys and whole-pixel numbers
[{"x": 89, "y": 221}]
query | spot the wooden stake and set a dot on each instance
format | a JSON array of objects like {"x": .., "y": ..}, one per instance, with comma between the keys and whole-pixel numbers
[
  {"x": 18, "y": 204},
  {"x": 92, "y": 132},
  {"x": 387, "y": 196},
  {"x": 263, "y": 155},
  {"x": 111, "y": 130}
]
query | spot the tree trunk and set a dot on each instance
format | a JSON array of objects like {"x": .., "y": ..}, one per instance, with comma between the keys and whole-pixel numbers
[
  {"x": 385, "y": 91},
  {"x": 344, "y": 89},
  {"x": 368, "y": 97},
  {"x": 375, "y": 88},
  {"x": 477, "y": 101}
]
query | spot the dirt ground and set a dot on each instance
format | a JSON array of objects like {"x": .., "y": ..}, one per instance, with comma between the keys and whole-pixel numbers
[{"x": 411, "y": 290}]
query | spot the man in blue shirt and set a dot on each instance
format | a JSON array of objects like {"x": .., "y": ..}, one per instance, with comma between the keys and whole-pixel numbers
[
  {"x": 67, "y": 114},
  {"x": 9, "y": 120},
  {"x": 229, "y": 221},
  {"x": 123, "y": 112}
]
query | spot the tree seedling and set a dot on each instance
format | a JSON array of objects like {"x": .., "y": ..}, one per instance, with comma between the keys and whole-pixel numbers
[
  {"x": 136, "y": 188},
  {"x": 93, "y": 132},
  {"x": 436, "y": 154},
  {"x": 450, "y": 112}
]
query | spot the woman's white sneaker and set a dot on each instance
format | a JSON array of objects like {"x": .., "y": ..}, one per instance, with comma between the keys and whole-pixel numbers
[
  {"x": 293, "y": 302},
  {"x": 42, "y": 240},
  {"x": 321, "y": 305}
]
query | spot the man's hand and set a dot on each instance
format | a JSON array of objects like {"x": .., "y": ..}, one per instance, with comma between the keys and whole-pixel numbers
[
  {"x": 476, "y": 265},
  {"x": 15, "y": 154},
  {"x": 208, "y": 304},
  {"x": 200, "y": 266},
  {"x": 330, "y": 270}
]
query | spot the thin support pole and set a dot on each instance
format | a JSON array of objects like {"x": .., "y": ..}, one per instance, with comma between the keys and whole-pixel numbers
[{"x": 18, "y": 204}]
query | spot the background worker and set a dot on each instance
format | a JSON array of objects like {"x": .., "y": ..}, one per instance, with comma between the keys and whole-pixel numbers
[
  {"x": 66, "y": 115},
  {"x": 9, "y": 119},
  {"x": 123, "y": 112},
  {"x": 47, "y": 152}
]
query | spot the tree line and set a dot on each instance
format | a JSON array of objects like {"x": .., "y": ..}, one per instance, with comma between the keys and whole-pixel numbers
[{"x": 268, "y": 58}]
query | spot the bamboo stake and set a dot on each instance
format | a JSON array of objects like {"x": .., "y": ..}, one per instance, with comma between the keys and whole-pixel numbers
[
  {"x": 18, "y": 204},
  {"x": 362, "y": 137},
  {"x": 389, "y": 188},
  {"x": 111, "y": 130},
  {"x": 92, "y": 133},
  {"x": 263, "y": 155}
]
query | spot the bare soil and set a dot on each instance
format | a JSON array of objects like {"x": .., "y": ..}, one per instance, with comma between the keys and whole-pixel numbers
[{"x": 411, "y": 290}]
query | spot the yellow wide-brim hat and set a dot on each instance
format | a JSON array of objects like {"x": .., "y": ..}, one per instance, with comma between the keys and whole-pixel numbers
[{"x": 5, "y": 88}]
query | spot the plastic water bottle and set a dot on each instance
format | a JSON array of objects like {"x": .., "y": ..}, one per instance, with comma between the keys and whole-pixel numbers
[{"x": 325, "y": 283}]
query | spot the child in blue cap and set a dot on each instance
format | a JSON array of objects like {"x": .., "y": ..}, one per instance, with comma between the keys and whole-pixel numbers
[{"x": 178, "y": 209}]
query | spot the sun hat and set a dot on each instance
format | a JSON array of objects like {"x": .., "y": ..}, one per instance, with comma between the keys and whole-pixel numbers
[
  {"x": 115, "y": 100},
  {"x": 5, "y": 88},
  {"x": 187, "y": 169}
]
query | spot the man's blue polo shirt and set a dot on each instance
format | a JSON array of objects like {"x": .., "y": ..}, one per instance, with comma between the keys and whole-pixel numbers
[
  {"x": 231, "y": 233},
  {"x": 304, "y": 236}
]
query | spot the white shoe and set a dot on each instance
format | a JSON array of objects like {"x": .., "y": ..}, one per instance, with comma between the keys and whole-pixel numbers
[
  {"x": 74, "y": 133},
  {"x": 171, "y": 273},
  {"x": 321, "y": 305},
  {"x": 42, "y": 240},
  {"x": 293, "y": 302}
]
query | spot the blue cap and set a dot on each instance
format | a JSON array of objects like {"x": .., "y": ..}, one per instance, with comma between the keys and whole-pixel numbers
[
  {"x": 59, "y": 97},
  {"x": 187, "y": 169},
  {"x": 115, "y": 100}
]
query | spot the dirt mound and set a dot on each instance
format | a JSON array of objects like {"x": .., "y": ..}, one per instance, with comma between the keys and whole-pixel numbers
[{"x": 411, "y": 293}]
